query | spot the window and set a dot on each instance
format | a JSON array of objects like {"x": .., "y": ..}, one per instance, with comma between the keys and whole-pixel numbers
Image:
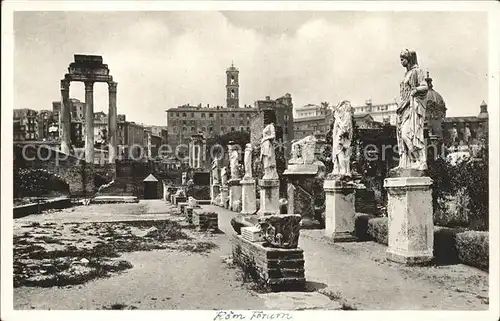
[
  {"x": 183, "y": 114},
  {"x": 184, "y": 122},
  {"x": 202, "y": 115},
  {"x": 241, "y": 129},
  {"x": 242, "y": 122},
  {"x": 177, "y": 114},
  {"x": 232, "y": 115},
  {"x": 241, "y": 115},
  {"x": 232, "y": 129},
  {"x": 211, "y": 115},
  {"x": 222, "y": 115}
]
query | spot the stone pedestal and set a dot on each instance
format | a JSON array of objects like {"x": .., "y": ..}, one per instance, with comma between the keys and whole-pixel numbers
[
  {"x": 305, "y": 193},
  {"x": 248, "y": 205},
  {"x": 269, "y": 197},
  {"x": 205, "y": 220},
  {"x": 234, "y": 194},
  {"x": 339, "y": 210},
  {"x": 214, "y": 191},
  {"x": 224, "y": 196},
  {"x": 410, "y": 226}
]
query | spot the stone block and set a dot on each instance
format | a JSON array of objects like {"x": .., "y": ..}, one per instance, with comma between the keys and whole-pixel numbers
[
  {"x": 189, "y": 214},
  {"x": 277, "y": 269},
  {"x": 339, "y": 210},
  {"x": 252, "y": 234},
  {"x": 409, "y": 209},
  {"x": 182, "y": 207},
  {"x": 205, "y": 220}
]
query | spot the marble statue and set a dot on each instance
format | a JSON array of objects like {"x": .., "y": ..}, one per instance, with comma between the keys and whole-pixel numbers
[
  {"x": 267, "y": 153},
  {"x": 184, "y": 178},
  {"x": 341, "y": 139},
  {"x": 233, "y": 162},
  {"x": 215, "y": 171},
  {"x": 223, "y": 175},
  {"x": 467, "y": 134},
  {"x": 248, "y": 162},
  {"x": 411, "y": 114},
  {"x": 303, "y": 151}
]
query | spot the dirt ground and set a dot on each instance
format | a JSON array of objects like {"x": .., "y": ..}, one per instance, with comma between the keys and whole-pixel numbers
[{"x": 142, "y": 264}]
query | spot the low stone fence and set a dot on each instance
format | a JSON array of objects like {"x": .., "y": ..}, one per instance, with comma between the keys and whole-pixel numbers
[{"x": 37, "y": 208}]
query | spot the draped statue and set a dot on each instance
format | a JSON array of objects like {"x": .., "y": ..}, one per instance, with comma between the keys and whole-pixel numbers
[
  {"x": 411, "y": 114},
  {"x": 248, "y": 161},
  {"x": 342, "y": 138},
  {"x": 215, "y": 171},
  {"x": 233, "y": 162},
  {"x": 267, "y": 153}
]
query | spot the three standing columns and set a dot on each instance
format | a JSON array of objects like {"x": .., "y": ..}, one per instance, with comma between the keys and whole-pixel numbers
[{"x": 65, "y": 120}]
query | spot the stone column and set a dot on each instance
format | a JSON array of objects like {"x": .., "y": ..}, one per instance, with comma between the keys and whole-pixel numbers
[
  {"x": 112, "y": 115},
  {"x": 339, "y": 210},
  {"x": 269, "y": 197},
  {"x": 65, "y": 117},
  {"x": 411, "y": 228},
  {"x": 89, "y": 122},
  {"x": 248, "y": 200}
]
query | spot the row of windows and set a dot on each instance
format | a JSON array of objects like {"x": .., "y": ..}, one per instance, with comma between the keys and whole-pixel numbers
[
  {"x": 193, "y": 122},
  {"x": 211, "y": 115},
  {"x": 210, "y": 129}
]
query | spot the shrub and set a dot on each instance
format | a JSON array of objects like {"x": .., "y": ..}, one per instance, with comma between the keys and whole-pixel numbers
[
  {"x": 467, "y": 182},
  {"x": 361, "y": 226},
  {"x": 378, "y": 229},
  {"x": 473, "y": 248}
]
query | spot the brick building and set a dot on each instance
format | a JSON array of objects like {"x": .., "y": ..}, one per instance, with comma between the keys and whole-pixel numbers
[
  {"x": 25, "y": 124},
  {"x": 187, "y": 120},
  {"x": 283, "y": 108},
  {"x": 468, "y": 130}
]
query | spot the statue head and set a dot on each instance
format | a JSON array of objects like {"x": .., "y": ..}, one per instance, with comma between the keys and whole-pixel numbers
[{"x": 408, "y": 58}]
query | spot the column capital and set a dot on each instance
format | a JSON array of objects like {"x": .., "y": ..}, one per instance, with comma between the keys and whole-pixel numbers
[
  {"x": 65, "y": 84},
  {"x": 112, "y": 86},
  {"x": 89, "y": 85}
]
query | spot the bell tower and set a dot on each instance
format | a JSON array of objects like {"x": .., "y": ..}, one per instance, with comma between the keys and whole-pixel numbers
[{"x": 232, "y": 87}]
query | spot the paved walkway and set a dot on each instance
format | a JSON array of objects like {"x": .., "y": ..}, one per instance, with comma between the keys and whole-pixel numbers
[{"x": 359, "y": 273}]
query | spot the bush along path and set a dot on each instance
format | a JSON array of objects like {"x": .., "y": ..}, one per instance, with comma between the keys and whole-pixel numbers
[{"x": 60, "y": 254}]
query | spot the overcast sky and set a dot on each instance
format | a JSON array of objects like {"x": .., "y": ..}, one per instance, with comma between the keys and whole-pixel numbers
[{"x": 165, "y": 59}]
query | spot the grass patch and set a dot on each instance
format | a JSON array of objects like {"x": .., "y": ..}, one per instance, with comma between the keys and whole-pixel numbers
[{"x": 36, "y": 265}]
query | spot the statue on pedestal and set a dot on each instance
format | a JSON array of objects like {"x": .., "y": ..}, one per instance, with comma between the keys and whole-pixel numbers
[
  {"x": 342, "y": 138},
  {"x": 411, "y": 114},
  {"x": 267, "y": 152},
  {"x": 248, "y": 162},
  {"x": 233, "y": 162},
  {"x": 215, "y": 171},
  {"x": 223, "y": 174}
]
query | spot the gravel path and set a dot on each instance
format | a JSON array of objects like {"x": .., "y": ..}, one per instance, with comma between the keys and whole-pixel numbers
[
  {"x": 354, "y": 273},
  {"x": 359, "y": 273}
]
